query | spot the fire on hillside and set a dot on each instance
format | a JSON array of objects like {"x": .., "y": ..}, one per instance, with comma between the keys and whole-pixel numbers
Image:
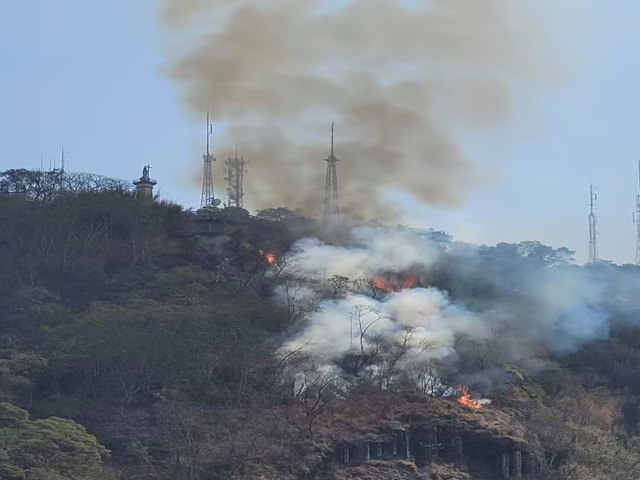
[
  {"x": 270, "y": 257},
  {"x": 386, "y": 283},
  {"x": 465, "y": 399}
]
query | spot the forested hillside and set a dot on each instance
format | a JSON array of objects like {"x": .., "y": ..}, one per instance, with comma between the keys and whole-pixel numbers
[{"x": 132, "y": 349}]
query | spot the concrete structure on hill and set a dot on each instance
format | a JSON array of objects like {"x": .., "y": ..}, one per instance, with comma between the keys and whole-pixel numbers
[{"x": 144, "y": 185}]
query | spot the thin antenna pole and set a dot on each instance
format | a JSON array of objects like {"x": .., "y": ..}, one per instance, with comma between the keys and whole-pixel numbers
[
  {"x": 637, "y": 219},
  {"x": 332, "y": 125},
  {"x": 62, "y": 165},
  {"x": 209, "y": 132},
  {"x": 593, "y": 228}
]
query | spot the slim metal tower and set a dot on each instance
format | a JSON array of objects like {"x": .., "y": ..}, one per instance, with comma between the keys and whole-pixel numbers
[
  {"x": 207, "y": 198},
  {"x": 593, "y": 229},
  {"x": 331, "y": 203},
  {"x": 236, "y": 168},
  {"x": 636, "y": 219}
]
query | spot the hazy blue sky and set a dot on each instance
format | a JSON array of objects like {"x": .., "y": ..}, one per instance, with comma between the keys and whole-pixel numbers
[{"x": 87, "y": 75}]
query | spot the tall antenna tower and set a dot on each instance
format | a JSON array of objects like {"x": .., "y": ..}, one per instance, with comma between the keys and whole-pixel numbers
[
  {"x": 636, "y": 219},
  {"x": 331, "y": 204},
  {"x": 593, "y": 229},
  {"x": 207, "y": 198},
  {"x": 236, "y": 168}
]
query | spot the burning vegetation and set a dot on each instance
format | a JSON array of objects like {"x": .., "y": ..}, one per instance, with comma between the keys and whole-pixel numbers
[
  {"x": 191, "y": 357},
  {"x": 464, "y": 398},
  {"x": 437, "y": 335},
  {"x": 317, "y": 371},
  {"x": 388, "y": 284},
  {"x": 270, "y": 257}
]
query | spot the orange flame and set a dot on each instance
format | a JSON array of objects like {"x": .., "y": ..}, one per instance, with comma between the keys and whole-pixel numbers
[
  {"x": 389, "y": 286},
  {"x": 411, "y": 281},
  {"x": 384, "y": 285},
  {"x": 271, "y": 258},
  {"x": 466, "y": 400}
]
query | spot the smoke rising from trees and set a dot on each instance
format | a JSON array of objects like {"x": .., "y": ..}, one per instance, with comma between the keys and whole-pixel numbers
[
  {"x": 475, "y": 311},
  {"x": 401, "y": 79}
]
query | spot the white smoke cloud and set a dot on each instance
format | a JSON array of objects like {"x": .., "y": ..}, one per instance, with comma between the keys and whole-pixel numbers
[
  {"x": 568, "y": 312},
  {"x": 371, "y": 250},
  {"x": 434, "y": 322},
  {"x": 505, "y": 307}
]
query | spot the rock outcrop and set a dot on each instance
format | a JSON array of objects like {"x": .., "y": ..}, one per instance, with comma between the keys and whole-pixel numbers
[{"x": 438, "y": 440}]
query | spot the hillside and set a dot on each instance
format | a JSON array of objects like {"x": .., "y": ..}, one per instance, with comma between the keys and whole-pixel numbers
[{"x": 132, "y": 348}]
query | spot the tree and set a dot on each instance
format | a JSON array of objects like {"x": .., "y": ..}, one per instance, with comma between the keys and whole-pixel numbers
[
  {"x": 46, "y": 186},
  {"x": 18, "y": 375},
  {"x": 545, "y": 254},
  {"x": 280, "y": 214},
  {"x": 48, "y": 449}
]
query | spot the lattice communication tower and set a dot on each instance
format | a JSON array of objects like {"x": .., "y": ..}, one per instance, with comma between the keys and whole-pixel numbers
[
  {"x": 236, "y": 167},
  {"x": 207, "y": 199},
  {"x": 331, "y": 201}
]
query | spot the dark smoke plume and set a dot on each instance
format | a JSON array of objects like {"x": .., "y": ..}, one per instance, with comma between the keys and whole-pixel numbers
[{"x": 400, "y": 78}]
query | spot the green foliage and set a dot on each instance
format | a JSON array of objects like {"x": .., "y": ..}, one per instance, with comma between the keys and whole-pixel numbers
[
  {"x": 107, "y": 314},
  {"x": 18, "y": 375},
  {"x": 172, "y": 333},
  {"x": 166, "y": 348},
  {"x": 52, "y": 448},
  {"x": 71, "y": 244}
]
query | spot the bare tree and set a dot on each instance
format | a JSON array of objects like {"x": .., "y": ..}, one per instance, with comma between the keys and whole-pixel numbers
[
  {"x": 300, "y": 300},
  {"x": 340, "y": 285},
  {"x": 46, "y": 186},
  {"x": 315, "y": 388}
]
